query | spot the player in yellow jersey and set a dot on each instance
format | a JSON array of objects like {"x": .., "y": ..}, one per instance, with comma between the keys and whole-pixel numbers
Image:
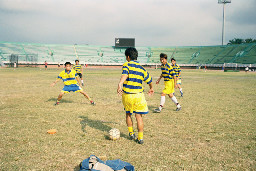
[
  {"x": 177, "y": 70},
  {"x": 70, "y": 80},
  {"x": 79, "y": 70},
  {"x": 170, "y": 79},
  {"x": 132, "y": 92}
]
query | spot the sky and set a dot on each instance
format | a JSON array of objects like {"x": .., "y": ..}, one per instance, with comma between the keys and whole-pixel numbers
[{"x": 150, "y": 22}]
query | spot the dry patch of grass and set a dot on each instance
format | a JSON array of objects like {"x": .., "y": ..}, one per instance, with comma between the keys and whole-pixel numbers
[{"x": 215, "y": 130}]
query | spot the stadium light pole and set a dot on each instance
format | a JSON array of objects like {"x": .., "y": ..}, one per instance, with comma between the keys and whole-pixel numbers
[
  {"x": 224, "y": 2},
  {"x": 76, "y": 52}
]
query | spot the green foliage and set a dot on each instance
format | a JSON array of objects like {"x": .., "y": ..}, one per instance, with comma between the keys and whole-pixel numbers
[{"x": 240, "y": 41}]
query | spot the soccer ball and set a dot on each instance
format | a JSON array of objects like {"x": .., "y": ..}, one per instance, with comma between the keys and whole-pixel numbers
[{"x": 114, "y": 134}]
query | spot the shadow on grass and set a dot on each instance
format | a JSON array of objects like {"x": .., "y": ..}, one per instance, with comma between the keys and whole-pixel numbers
[
  {"x": 151, "y": 108},
  {"x": 62, "y": 100},
  {"x": 77, "y": 168},
  {"x": 97, "y": 124}
]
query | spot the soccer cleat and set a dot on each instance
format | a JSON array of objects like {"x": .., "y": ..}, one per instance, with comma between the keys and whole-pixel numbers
[
  {"x": 93, "y": 103},
  {"x": 178, "y": 107},
  {"x": 157, "y": 110},
  {"x": 132, "y": 136},
  {"x": 57, "y": 103},
  {"x": 82, "y": 84},
  {"x": 140, "y": 141}
]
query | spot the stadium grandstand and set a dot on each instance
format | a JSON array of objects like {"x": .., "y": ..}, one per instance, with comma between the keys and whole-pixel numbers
[{"x": 242, "y": 55}]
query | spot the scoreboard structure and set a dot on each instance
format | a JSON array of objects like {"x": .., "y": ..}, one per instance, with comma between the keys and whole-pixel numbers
[{"x": 124, "y": 42}]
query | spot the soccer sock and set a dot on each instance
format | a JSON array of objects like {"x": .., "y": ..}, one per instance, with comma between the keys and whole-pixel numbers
[
  {"x": 174, "y": 100},
  {"x": 140, "y": 135},
  {"x": 162, "y": 102},
  {"x": 130, "y": 129},
  {"x": 82, "y": 81},
  {"x": 181, "y": 90}
]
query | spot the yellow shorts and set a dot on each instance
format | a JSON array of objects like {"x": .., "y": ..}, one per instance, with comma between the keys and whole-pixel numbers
[
  {"x": 168, "y": 87},
  {"x": 135, "y": 103},
  {"x": 179, "y": 81}
]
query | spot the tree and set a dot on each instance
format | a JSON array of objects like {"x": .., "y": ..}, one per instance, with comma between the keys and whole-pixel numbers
[{"x": 236, "y": 41}]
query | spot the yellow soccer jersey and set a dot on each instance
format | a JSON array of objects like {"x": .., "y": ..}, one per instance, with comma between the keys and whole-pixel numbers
[
  {"x": 77, "y": 68},
  {"x": 68, "y": 78},
  {"x": 167, "y": 72},
  {"x": 136, "y": 75},
  {"x": 177, "y": 70}
]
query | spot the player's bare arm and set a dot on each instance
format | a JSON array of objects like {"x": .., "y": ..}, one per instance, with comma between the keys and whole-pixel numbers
[
  {"x": 78, "y": 80},
  {"x": 175, "y": 81},
  {"x": 119, "y": 88},
  {"x": 54, "y": 82},
  {"x": 150, "y": 91},
  {"x": 158, "y": 80}
]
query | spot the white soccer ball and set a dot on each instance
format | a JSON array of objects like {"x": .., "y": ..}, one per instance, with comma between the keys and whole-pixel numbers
[{"x": 114, "y": 134}]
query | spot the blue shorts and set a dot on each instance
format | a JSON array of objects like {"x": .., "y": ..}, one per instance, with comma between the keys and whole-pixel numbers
[{"x": 72, "y": 87}]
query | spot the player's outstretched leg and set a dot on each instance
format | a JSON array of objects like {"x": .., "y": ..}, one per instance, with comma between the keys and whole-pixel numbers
[
  {"x": 59, "y": 98},
  {"x": 140, "y": 127},
  {"x": 174, "y": 99},
  {"x": 85, "y": 95},
  {"x": 130, "y": 126},
  {"x": 181, "y": 93},
  {"x": 82, "y": 81},
  {"x": 158, "y": 110}
]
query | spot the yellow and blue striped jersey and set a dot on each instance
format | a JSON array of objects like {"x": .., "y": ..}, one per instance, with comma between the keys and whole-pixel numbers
[
  {"x": 167, "y": 72},
  {"x": 136, "y": 75},
  {"x": 177, "y": 70},
  {"x": 77, "y": 68},
  {"x": 69, "y": 77}
]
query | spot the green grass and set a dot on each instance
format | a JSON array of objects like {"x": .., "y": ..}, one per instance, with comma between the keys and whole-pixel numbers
[{"x": 215, "y": 130}]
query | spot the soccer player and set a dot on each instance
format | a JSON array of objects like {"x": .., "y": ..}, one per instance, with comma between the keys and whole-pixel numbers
[
  {"x": 79, "y": 70},
  {"x": 58, "y": 65},
  {"x": 169, "y": 81},
  {"x": 133, "y": 98},
  {"x": 177, "y": 70},
  {"x": 45, "y": 65},
  {"x": 70, "y": 79}
]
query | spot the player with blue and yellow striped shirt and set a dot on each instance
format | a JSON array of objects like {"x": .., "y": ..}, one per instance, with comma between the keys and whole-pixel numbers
[
  {"x": 177, "y": 70},
  {"x": 70, "y": 80},
  {"x": 133, "y": 98},
  {"x": 79, "y": 70},
  {"x": 170, "y": 79}
]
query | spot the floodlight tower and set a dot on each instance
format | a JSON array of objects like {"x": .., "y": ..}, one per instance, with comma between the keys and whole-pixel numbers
[{"x": 224, "y": 2}]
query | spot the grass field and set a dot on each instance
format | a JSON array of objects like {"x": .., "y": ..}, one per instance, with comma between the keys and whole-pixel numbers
[{"x": 215, "y": 130}]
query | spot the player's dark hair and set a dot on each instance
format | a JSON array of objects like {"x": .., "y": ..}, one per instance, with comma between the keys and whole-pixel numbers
[
  {"x": 132, "y": 53},
  {"x": 173, "y": 59},
  {"x": 67, "y": 63},
  {"x": 77, "y": 60},
  {"x": 163, "y": 55}
]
